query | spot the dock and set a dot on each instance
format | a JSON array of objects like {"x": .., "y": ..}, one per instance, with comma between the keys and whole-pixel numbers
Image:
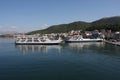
[{"x": 113, "y": 43}]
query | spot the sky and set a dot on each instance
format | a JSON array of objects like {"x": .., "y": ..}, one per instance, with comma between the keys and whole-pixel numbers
[{"x": 29, "y": 15}]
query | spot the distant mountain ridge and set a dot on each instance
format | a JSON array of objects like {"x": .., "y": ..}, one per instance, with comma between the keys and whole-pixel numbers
[
  {"x": 108, "y": 23},
  {"x": 8, "y": 32}
]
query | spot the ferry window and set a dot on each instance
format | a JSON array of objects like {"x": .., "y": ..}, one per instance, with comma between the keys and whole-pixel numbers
[
  {"x": 29, "y": 39},
  {"x": 36, "y": 40},
  {"x": 23, "y": 39}
]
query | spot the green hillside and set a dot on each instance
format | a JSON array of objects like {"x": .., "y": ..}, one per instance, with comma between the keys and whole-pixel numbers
[
  {"x": 111, "y": 23},
  {"x": 108, "y": 20},
  {"x": 63, "y": 28}
]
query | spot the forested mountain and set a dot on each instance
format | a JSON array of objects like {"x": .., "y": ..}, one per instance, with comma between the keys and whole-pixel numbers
[
  {"x": 108, "y": 20},
  {"x": 64, "y": 28},
  {"x": 110, "y": 23}
]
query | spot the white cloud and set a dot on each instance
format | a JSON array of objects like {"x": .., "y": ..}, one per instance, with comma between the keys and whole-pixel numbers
[
  {"x": 13, "y": 27},
  {"x": 44, "y": 26}
]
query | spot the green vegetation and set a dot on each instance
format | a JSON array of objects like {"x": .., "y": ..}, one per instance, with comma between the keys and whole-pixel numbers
[
  {"x": 111, "y": 23},
  {"x": 63, "y": 28}
]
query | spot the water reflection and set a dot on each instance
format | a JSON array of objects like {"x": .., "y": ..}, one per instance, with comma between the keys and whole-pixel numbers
[
  {"x": 86, "y": 45},
  {"x": 82, "y": 48},
  {"x": 38, "y": 48},
  {"x": 94, "y": 47},
  {"x": 70, "y": 47}
]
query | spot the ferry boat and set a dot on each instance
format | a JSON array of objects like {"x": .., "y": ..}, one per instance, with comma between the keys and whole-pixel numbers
[
  {"x": 44, "y": 40},
  {"x": 79, "y": 38}
]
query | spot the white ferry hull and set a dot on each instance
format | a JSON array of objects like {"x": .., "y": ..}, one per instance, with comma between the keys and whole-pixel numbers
[
  {"x": 84, "y": 40},
  {"x": 38, "y": 43},
  {"x": 79, "y": 38}
]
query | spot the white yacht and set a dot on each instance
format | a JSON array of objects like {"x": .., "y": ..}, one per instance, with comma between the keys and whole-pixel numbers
[
  {"x": 44, "y": 40},
  {"x": 79, "y": 38}
]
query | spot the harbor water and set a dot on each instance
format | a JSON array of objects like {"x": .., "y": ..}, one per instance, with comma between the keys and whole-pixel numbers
[{"x": 71, "y": 61}]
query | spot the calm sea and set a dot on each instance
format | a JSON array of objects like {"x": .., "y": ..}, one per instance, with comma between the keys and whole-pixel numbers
[{"x": 74, "y": 61}]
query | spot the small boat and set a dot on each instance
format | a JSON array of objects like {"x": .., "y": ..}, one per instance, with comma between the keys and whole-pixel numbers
[
  {"x": 44, "y": 40},
  {"x": 79, "y": 38}
]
